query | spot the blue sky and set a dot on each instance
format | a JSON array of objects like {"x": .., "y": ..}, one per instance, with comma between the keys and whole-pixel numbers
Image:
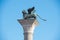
[{"x": 10, "y": 11}]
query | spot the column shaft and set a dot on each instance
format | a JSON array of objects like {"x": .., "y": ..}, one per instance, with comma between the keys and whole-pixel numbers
[{"x": 28, "y": 36}]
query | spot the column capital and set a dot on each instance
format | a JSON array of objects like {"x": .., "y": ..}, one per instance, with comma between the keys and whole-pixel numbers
[
  {"x": 28, "y": 24},
  {"x": 28, "y": 21}
]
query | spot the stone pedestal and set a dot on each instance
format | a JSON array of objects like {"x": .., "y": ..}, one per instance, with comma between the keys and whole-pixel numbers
[{"x": 28, "y": 27}]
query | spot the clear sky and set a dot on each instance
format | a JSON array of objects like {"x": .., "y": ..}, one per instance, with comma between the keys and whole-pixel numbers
[{"x": 10, "y": 11}]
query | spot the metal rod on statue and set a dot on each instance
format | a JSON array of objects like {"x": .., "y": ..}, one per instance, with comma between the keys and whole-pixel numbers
[{"x": 41, "y": 18}]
